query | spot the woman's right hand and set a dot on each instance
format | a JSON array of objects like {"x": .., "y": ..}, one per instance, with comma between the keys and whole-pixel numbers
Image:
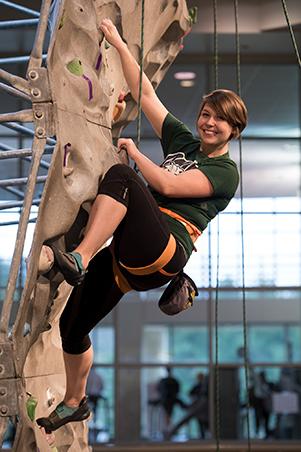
[{"x": 111, "y": 33}]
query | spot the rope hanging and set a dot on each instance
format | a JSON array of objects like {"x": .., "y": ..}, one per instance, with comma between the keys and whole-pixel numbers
[
  {"x": 291, "y": 31},
  {"x": 245, "y": 339},
  {"x": 217, "y": 424},
  {"x": 140, "y": 79}
]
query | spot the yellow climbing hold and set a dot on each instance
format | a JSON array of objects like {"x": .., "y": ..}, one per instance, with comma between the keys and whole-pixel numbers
[
  {"x": 62, "y": 21},
  {"x": 118, "y": 110}
]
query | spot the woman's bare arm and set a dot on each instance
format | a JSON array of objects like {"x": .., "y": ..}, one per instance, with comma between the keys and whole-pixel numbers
[
  {"x": 189, "y": 184},
  {"x": 151, "y": 105}
]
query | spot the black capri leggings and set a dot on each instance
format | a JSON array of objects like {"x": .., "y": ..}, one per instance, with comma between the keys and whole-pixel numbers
[{"x": 140, "y": 239}]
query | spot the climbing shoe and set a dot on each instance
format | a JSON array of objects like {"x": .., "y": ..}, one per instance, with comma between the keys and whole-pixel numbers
[
  {"x": 70, "y": 265},
  {"x": 64, "y": 414}
]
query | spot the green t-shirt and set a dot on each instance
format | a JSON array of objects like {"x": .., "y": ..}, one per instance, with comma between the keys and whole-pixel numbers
[{"x": 182, "y": 153}]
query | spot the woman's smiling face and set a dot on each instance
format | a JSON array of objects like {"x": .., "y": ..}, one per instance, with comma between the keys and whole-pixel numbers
[{"x": 214, "y": 131}]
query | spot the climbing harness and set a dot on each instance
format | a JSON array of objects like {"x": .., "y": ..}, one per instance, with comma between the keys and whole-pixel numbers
[
  {"x": 157, "y": 266},
  {"x": 159, "y": 263}
]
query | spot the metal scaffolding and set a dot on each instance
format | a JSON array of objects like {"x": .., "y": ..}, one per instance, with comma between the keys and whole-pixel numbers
[{"x": 34, "y": 89}]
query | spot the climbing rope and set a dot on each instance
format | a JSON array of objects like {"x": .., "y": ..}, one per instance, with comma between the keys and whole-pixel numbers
[
  {"x": 140, "y": 79},
  {"x": 245, "y": 338},
  {"x": 217, "y": 417},
  {"x": 291, "y": 31},
  {"x": 215, "y": 44}
]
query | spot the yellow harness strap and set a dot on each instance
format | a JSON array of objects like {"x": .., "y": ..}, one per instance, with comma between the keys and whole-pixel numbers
[{"x": 159, "y": 263}]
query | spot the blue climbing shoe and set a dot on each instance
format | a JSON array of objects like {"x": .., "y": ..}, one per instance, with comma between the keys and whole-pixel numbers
[
  {"x": 70, "y": 265},
  {"x": 64, "y": 414}
]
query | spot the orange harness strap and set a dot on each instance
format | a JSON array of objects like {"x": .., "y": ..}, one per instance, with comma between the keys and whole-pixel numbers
[
  {"x": 119, "y": 278},
  {"x": 192, "y": 230},
  {"x": 159, "y": 263}
]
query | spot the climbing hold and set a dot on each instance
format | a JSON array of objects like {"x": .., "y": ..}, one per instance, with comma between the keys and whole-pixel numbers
[
  {"x": 90, "y": 87},
  {"x": 193, "y": 14},
  {"x": 67, "y": 171},
  {"x": 99, "y": 60},
  {"x": 50, "y": 397},
  {"x": 75, "y": 67},
  {"x": 62, "y": 21},
  {"x": 121, "y": 96},
  {"x": 107, "y": 44},
  {"x": 66, "y": 153},
  {"x": 31, "y": 405},
  {"x": 46, "y": 260},
  {"x": 118, "y": 110}
]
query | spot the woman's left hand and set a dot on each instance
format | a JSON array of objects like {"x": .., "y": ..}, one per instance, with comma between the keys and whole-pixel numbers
[{"x": 130, "y": 147}]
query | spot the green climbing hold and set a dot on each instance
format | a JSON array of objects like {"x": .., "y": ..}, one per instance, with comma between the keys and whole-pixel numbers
[
  {"x": 62, "y": 21},
  {"x": 107, "y": 44},
  {"x": 193, "y": 14},
  {"x": 75, "y": 67},
  {"x": 31, "y": 405}
]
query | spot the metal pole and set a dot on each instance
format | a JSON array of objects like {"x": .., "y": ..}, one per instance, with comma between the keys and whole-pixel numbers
[
  {"x": 19, "y": 59},
  {"x": 37, "y": 51},
  {"x": 14, "y": 191},
  {"x": 12, "y": 204},
  {"x": 38, "y": 146},
  {"x": 14, "y": 92},
  {"x": 19, "y": 116},
  {"x": 12, "y": 5},
  {"x": 4, "y": 147},
  {"x": 22, "y": 129},
  {"x": 20, "y": 181},
  {"x": 14, "y": 223},
  {"x": 9, "y": 153},
  {"x": 23, "y": 23}
]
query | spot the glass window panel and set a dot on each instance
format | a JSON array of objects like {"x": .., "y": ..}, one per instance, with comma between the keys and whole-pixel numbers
[
  {"x": 266, "y": 119},
  {"x": 267, "y": 343},
  {"x": 101, "y": 426},
  {"x": 230, "y": 343},
  {"x": 294, "y": 341},
  {"x": 276, "y": 258},
  {"x": 153, "y": 421},
  {"x": 103, "y": 344},
  {"x": 190, "y": 344},
  {"x": 274, "y": 403},
  {"x": 155, "y": 344}
]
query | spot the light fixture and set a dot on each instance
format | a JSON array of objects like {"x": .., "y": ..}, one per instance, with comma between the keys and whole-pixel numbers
[
  {"x": 187, "y": 83},
  {"x": 184, "y": 75}
]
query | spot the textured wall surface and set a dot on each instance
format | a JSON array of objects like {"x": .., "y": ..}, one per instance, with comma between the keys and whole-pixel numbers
[{"x": 88, "y": 103}]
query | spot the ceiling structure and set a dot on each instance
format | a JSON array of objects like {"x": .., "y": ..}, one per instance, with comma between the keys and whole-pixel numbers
[{"x": 269, "y": 76}]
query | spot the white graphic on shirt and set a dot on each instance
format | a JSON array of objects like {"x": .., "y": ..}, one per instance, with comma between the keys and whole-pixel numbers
[{"x": 177, "y": 163}]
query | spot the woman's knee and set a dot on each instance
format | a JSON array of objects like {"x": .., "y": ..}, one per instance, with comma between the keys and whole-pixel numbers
[
  {"x": 74, "y": 346},
  {"x": 120, "y": 170}
]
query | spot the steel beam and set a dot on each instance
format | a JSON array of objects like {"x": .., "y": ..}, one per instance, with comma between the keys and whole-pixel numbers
[
  {"x": 25, "y": 130},
  {"x": 18, "y": 59},
  {"x": 13, "y": 5},
  {"x": 23, "y": 23},
  {"x": 20, "y": 181},
  {"x": 12, "y": 204}
]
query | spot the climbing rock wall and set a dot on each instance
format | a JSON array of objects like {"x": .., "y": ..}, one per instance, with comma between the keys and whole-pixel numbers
[{"x": 89, "y": 103}]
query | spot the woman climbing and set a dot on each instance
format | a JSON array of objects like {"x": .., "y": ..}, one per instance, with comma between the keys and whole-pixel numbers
[{"x": 154, "y": 227}]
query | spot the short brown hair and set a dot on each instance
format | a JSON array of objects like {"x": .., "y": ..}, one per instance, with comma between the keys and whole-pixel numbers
[{"x": 229, "y": 106}]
